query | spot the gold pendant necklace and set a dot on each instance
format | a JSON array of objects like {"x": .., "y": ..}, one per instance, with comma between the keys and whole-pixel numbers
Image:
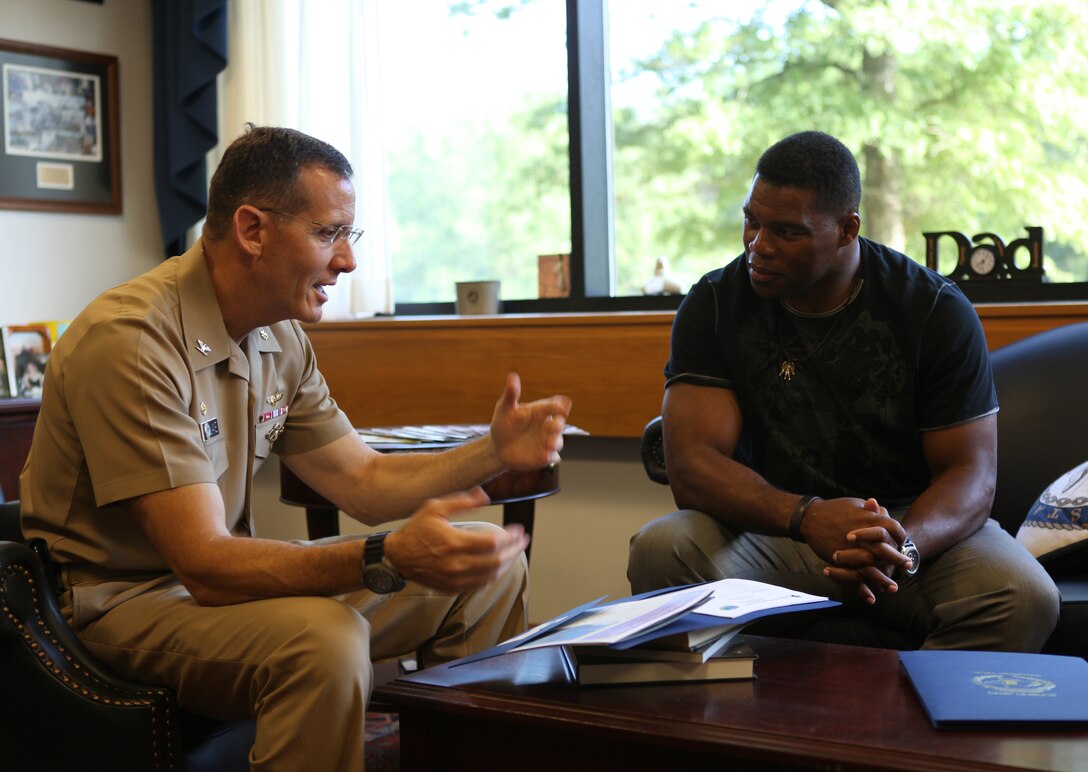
[{"x": 788, "y": 368}]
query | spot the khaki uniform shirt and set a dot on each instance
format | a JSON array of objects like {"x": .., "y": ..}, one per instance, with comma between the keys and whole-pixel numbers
[{"x": 145, "y": 391}]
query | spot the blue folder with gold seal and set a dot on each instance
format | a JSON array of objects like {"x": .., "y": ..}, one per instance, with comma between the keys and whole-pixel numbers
[{"x": 999, "y": 690}]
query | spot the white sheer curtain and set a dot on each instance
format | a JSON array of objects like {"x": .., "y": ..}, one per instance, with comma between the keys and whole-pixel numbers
[{"x": 312, "y": 65}]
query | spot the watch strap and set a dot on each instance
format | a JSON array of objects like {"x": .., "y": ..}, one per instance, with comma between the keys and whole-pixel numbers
[
  {"x": 374, "y": 550},
  {"x": 379, "y": 574}
]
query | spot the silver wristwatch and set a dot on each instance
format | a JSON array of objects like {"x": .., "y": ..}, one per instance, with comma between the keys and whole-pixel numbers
[
  {"x": 911, "y": 552},
  {"x": 379, "y": 576}
]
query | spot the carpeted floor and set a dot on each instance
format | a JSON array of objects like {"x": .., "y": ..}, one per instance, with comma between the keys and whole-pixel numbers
[
  {"x": 382, "y": 726},
  {"x": 382, "y": 742}
]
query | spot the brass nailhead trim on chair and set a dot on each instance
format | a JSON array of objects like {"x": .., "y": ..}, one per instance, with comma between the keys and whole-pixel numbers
[{"x": 165, "y": 726}]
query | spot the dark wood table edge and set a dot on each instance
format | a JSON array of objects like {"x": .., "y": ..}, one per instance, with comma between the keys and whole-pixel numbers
[
  {"x": 769, "y": 747},
  {"x": 534, "y": 695}
]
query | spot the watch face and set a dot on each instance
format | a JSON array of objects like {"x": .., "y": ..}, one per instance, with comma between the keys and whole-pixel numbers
[
  {"x": 983, "y": 261},
  {"x": 911, "y": 552},
  {"x": 380, "y": 580}
]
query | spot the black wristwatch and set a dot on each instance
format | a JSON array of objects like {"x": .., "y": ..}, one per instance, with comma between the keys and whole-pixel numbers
[
  {"x": 911, "y": 552},
  {"x": 379, "y": 576}
]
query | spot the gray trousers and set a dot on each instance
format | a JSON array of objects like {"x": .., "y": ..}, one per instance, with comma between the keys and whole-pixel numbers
[
  {"x": 987, "y": 593},
  {"x": 300, "y": 665}
]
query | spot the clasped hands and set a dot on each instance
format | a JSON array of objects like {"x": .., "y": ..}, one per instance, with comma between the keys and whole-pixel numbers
[{"x": 860, "y": 541}]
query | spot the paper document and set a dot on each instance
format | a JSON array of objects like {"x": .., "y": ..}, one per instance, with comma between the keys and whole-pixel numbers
[
  {"x": 605, "y": 625},
  {"x": 733, "y": 598},
  {"x": 433, "y": 433},
  {"x": 671, "y": 611}
]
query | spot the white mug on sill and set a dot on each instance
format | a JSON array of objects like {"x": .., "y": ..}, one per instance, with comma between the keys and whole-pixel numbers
[{"x": 477, "y": 297}]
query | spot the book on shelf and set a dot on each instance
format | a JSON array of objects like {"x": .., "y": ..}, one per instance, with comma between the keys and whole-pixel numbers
[
  {"x": 601, "y": 666},
  {"x": 675, "y": 617},
  {"x": 999, "y": 690}
]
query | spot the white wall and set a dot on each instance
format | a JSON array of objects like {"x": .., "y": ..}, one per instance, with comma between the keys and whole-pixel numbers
[{"x": 52, "y": 264}]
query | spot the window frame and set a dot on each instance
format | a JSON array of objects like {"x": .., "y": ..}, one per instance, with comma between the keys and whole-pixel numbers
[
  {"x": 589, "y": 120},
  {"x": 592, "y": 259}
]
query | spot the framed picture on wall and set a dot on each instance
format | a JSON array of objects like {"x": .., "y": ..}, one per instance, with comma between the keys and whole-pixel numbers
[
  {"x": 59, "y": 129},
  {"x": 26, "y": 349}
]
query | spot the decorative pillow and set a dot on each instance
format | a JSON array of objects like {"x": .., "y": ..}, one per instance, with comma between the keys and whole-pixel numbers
[{"x": 1059, "y": 517}]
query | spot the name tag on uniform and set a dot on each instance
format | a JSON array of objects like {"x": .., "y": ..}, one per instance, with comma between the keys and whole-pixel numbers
[{"x": 209, "y": 429}]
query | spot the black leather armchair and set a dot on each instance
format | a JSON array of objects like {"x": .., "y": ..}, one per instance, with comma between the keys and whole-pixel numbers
[
  {"x": 1042, "y": 426},
  {"x": 62, "y": 709},
  {"x": 1041, "y": 429}
]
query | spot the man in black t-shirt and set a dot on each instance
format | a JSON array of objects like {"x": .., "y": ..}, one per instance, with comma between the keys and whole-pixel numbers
[{"x": 830, "y": 425}]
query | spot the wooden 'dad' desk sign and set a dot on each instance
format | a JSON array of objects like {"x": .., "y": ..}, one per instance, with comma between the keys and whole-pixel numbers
[{"x": 515, "y": 490}]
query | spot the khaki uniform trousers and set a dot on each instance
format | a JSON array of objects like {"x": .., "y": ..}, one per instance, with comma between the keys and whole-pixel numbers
[{"x": 301, "y": 666}]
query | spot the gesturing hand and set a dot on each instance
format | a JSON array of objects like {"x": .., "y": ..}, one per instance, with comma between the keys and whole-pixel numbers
[
  {"x": 529, "y": 435},
  {"x": 428, "y": 549}
]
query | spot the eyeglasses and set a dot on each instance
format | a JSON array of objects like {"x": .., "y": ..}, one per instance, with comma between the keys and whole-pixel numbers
[{"x": 326, "y": 234}]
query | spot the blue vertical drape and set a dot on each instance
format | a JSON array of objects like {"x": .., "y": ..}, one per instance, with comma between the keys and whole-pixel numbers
[{"x": 189, "y": 48}]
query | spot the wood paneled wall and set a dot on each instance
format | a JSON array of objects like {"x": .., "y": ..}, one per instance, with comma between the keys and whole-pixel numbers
[
  {"x": 419, "y": 370},
  {"x": 451, "y": 369},
  {"x": 412, "y": 370}
]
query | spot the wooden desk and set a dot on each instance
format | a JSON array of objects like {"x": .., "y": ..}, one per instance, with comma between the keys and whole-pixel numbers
[
  {"x": 17, "y": 418},
  {"x": 811, "y": 705},
  {"x": 516, "y": 491}
]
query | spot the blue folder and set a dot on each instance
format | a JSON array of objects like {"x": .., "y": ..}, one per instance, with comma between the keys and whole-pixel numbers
[
  {"x": 685, "y": 623},
  {"x": 999, "y": 690},
  {"x": 695, "y": 621}
]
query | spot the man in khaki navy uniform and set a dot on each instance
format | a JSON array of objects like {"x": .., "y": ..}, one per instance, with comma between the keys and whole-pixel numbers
[{"x": 161, "y": 401}]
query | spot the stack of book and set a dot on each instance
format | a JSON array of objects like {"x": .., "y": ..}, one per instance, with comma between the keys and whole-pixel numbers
[
  {"x": 677, "y": 634},
  {"x": 699, "y": 656}
]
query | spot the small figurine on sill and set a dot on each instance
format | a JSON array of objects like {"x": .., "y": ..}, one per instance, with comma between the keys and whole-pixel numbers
[{"x": 662, "y": 282}]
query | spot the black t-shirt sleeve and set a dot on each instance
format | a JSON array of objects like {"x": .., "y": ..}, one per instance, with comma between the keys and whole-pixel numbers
[
  {"x": 955, "y": 381},
  {"x": 695, "y": 352}
]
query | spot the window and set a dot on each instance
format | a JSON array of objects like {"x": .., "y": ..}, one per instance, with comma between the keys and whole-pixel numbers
[
  {"x": 475, "y": 113},
  {"x": 969, "y": 117}
]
